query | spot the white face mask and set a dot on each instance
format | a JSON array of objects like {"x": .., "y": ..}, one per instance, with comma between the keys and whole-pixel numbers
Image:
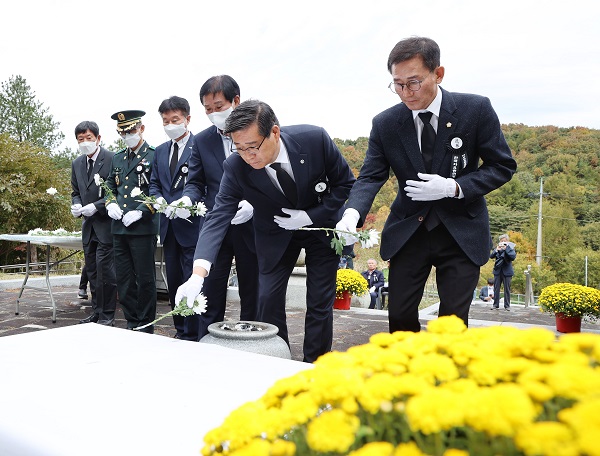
[
  {"x": 87, "y": 147},
  {"x": 175, "y": 131},
  {"x": 132, "y": 140},
  {"x": 218, "y": 118}
]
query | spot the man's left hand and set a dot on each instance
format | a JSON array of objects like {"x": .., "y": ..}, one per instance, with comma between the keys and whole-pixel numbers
[
  {"x": 131, "y": 217},
  {"x": 431, "y": 187},
  {"x": 244, "y": 213},
  {"x": 297, "y": 219}
]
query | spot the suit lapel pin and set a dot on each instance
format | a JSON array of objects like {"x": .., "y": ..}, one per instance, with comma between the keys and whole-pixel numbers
[
  {"x": 302, "y": 161},
  {"x": 449, "y": 124}
]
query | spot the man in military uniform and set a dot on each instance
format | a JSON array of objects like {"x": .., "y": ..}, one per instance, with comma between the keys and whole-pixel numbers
[{"x": 135, "y": 224}]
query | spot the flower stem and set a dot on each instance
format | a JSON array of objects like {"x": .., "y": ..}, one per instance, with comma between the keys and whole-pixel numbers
[{"x": 168, "y": 314}]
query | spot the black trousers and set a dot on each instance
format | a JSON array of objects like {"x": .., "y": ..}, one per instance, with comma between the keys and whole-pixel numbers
[
  {"x": 136, "y": 278},
  {"x": 215, "y": 285},
  {"x": 321, "y": 270},
  {"x": 100, "y": 272},
  {"x": 179, "y": 261},
  {"x": 501, "y": 279},
  {"x": 456, "y": 277}
]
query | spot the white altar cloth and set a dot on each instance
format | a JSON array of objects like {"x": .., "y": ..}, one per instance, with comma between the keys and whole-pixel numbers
[{"x": 96, "y": 390}]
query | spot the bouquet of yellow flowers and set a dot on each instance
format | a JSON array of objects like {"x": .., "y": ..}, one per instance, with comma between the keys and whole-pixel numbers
[
  {"x": 445, "y": 391},
  {"x": 350, "y": 281},
  {"x": 571, "y": 300}
]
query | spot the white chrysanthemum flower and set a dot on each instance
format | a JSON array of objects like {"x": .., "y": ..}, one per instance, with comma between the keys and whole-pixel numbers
[
  {"x": 199, "y": 305},
  {"x": 136, "y": 192},
  {"x": 370, "y": 239},
  {"x": 200, "y": 209},
  {"x": 97, "y": 179},
  {"x": 51, "y": 191}
]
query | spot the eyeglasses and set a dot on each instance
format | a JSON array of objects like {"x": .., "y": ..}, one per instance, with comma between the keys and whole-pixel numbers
[
  {"x": 248, "y": 150},
  {"x": 413, "y": 86}
]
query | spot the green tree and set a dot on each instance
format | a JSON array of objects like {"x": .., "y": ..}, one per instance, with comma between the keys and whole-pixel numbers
[
  {"x": 25, "y": 118},
  {"x": 25, "y": 175},
  {"x": 573, "y": 267}
]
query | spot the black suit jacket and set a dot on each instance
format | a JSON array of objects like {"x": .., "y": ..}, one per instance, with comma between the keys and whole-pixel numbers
[
  {"x": 393, "y": 144},
  {"x": 314, "y": 158},
  {"x": 206, "y": 171},
  {"x": 171, "y": 188},
  {"x": 85, "y": 191}
]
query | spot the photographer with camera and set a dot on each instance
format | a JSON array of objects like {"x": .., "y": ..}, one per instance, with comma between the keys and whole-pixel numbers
[{"x": 503, "y": 256}]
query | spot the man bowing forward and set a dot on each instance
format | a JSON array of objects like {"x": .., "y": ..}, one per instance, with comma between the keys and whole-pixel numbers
[{"x": 294, "y": 177}]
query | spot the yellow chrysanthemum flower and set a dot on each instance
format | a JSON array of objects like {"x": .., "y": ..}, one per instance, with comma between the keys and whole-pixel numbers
[
  {"x": 546, "y": 438},
  {"x": 332, "y": 431}
]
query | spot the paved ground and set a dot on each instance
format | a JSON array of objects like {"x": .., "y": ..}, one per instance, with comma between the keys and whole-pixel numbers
[{"x": 351, "y": 327}]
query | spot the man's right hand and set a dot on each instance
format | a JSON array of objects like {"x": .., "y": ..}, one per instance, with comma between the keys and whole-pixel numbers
[
  {"x": 348, "y": 223},
  {"x": 171, "y": 211},
  {"x": 114, "y": 211},
  {"x": 76, "y": 210},
  {"x": 190, "y": 289}
]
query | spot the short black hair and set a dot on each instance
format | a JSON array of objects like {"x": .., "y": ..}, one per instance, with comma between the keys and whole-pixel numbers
[
  {"x": 222, "y": 83},
  {"x": 175, "y": 103},
  {"x": 86, "y": 125},
  {"x": 491, "y": 280},
  {"x": 250, "y": 112},
  {"x": 415, "y": 46}
]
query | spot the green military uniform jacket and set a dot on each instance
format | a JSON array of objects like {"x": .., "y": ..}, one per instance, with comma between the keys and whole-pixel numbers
[{"x": 124, "y": 176}]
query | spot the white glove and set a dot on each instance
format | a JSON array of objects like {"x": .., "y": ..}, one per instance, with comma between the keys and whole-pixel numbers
[
  {"x": 297, "y": 219},
  {"x": 190, "y": 289},
  {"x": 114, "y": 211},
  {"x": 171, "y": 211},
  {"x": 131, "y": 217},
  {"x": 159, "y": 202},
  {"x": 348, "y": 222},
  {"x": 244, "y": 213},
  {"x": 431, "y": 187},
  {"x": 88, "y": 210},
  {"x": 76, "y": 210},
  {"x": 372, "y": 290}
]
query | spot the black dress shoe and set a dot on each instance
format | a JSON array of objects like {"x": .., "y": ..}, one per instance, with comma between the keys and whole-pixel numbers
[
  {"x": 91, "y": 319},
  {"x": 82, "y": 294},
  {"x": 110, "y": 322}
]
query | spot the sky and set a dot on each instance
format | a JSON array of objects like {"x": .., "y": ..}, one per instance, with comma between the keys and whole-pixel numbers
[{"x": 317, "y": 62}]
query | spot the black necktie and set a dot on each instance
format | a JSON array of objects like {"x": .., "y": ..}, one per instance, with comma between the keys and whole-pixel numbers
[
  {"x": 90, "y": 167},
  {"x": 287, "y": 183},
  {"x": 427, "y": 139},
  {"x": 174, "y": 159}
]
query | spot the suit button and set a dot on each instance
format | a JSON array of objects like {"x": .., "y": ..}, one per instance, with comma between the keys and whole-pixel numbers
[
  {"x": 124, "y": 196},
  {"x": 421, "y": 218},
  {"x": 126, "y": 186},
  {"x": 127, "y": 178},
  {"x": 124, "y": 205}
]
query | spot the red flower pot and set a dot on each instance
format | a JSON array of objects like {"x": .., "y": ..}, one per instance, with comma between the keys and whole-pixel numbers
[
  {"x": 566, "y": 324},
  {"x": 342, "y": 303}
]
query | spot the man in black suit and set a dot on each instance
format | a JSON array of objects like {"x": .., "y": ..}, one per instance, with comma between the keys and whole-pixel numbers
[
  {"x": 178, "y": 237},
  {"x": 88, "y": 202},
  {"x": 503, "y": 256},
  {"x": 294, "y": 177},
  {"x": 433, "y": 142},
  {"x": 219, "y": 96},
  {"x": 135, "y": 225}
]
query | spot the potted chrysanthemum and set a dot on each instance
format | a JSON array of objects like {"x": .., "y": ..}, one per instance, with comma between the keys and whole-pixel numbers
[
  {"x": 570, "y": 303},
  {"x": 348, "y": 282}
]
